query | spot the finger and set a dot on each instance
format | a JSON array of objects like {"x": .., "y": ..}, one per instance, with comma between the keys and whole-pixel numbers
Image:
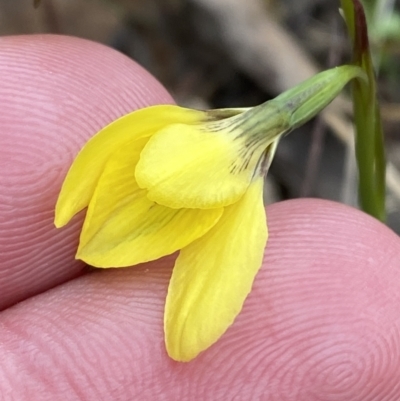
[
  {"x": 321, "y": 323},
  {"x": 56, "y": 92}
]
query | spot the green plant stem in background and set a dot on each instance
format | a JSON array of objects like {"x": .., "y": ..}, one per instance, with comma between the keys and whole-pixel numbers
[{"x": 370, "y": 152}]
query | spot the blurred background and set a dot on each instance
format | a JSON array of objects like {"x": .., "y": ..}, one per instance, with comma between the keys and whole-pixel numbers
[{"x": 238, "y": 53}]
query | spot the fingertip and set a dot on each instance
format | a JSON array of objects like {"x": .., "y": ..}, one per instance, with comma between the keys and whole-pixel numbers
[
  {"x": 323, "y": 311},
  {"x": 321, "y": 321},
  {"x": 56, "y": 93}
]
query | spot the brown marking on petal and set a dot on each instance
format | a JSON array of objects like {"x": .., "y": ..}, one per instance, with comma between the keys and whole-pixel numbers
[{"x": 221, "y": 114}]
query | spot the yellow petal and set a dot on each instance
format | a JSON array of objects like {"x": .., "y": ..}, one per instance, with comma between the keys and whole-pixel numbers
[
  {"x": 197, "y": 166},
  {"x": 123, "y": 227},
  {"x": 213, "y": 275},
  {"x": 84, "y": 173}
]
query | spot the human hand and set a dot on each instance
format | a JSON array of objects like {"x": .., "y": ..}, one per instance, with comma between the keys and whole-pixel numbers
[{"x": 322, "y": 321}]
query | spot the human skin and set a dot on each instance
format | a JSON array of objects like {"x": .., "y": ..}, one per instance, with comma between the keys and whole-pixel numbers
[{"x": 321, "y": 323}]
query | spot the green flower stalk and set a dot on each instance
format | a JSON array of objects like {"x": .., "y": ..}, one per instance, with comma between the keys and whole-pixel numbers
[{"x": 369, "y": 142}]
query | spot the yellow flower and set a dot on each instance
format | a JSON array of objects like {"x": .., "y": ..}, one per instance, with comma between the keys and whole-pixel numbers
[{"x": 164, "y": 179}]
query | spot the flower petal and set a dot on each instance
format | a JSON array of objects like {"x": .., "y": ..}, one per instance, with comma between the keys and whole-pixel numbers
[
  {"x": 196, "y": 167},
  {"x": 213, "y": 275},
  {"x": 123, "y": 227},
  {"x": 85, "y": 171}
]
